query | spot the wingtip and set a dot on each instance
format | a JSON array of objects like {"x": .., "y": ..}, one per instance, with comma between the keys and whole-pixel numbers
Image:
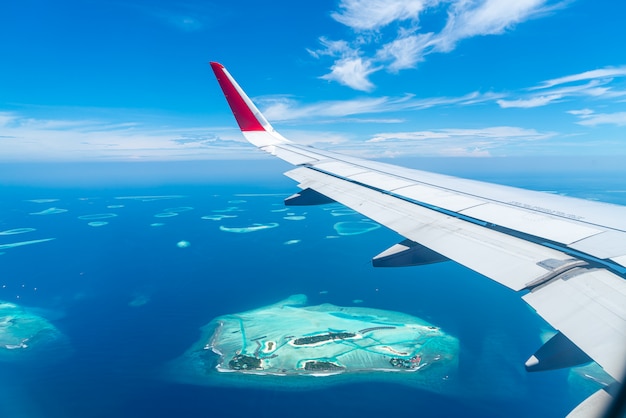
[
  {"x": 247, "y": 115},
  {"x": 252, "y": 123}
]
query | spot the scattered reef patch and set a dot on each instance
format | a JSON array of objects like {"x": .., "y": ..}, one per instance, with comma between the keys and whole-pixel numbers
[
  {"x": 355, "y": 228},
  {"x": 97, "y": 216},
  {"x": 217, "y": 217},
  {"x": 49, "y": 211},
  {"x": 295, "y": 218},
  {"x": 251, "y": 228},
  {"x": 16, "y": 231},
  {"x": 97, "y": 223},
  {"x": 22, "y": 243},
  {"x": 166, "y": 215}
]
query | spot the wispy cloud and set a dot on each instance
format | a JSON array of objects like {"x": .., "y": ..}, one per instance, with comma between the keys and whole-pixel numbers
[
  {"x": 597, "y": 84},
  {"x": 6, "y": 119},
  {"x": 536, "y": 101},
  {"x": 404, "y": 52},
  {"x": 286, "y": 108},
  {"x": 467, "y": 19},
  {"x": 28, "y": 138},
  {"x": 455, "y": 142},
  {"x": 496, "y": 132},
  {"x": 580, "y": 112},
  {"x": 602, "y": 73},
  {"x": 597, "y": 89},
  {"x": 373, "y": 14},
  {"x": 588, "y": 117},
  {"x": 352, "y": 72},
  {"x": 371, "y": 50}
]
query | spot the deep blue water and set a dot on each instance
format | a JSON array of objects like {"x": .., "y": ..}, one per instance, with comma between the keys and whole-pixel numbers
[{"x": 112, "y": 360}]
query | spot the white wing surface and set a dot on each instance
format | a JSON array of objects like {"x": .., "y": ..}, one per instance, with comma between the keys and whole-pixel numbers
[{"x": 565, "y": 256}]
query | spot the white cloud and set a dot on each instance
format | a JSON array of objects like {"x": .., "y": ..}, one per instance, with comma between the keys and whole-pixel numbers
[
  {"x": 352, "y": 72},
  {"x": 404, "y": 52},
  {"x": 374, "y": 14},
  {"x": 496, "y": 140},
  {"x": 357, "y": 58},
  {"x": 537, "y": 101},
  {"x": 594, "y": 88},
  {"x": 593, "y": 119},
  {"x": 580, "y": 112},
  {"x": 496, "y": 132},
  {"x": 6, "y": 119},
  {"x": 488, "y": 17},
  {"x": 606, "y": 72},
  {"x": 287, "y": 109},
  {"x": 597, "y": 89},
  {"x": 334, "y": 49}
]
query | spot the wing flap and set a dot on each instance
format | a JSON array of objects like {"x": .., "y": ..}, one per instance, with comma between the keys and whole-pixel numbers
[
  {"x": 533, "y": 223},
  {"x": 608, "y": 244},
  {"x": 508, "y": 260},
  {"x": 589, "y": 307},
  {"x": 595, "y": 405}
]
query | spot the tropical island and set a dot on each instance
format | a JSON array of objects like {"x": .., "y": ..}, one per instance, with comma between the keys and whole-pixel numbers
[{"x": 284, "y": 342}]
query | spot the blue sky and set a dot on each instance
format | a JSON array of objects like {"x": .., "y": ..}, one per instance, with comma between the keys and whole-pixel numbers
[{"x": 129, "y": 80}]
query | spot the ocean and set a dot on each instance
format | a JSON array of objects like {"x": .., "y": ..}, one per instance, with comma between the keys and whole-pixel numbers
[{"x": 135, "y": 269}]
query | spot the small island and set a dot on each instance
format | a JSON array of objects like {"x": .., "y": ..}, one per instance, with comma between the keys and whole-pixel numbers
[
  {"x": 284, "y": 343},
  {"x": 23, "y": 332}
]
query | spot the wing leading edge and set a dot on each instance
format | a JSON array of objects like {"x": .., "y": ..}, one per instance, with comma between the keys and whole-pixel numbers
[{"x": 565, "y": 256}]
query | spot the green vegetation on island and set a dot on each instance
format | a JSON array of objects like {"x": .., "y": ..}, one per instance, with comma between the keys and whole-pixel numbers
[{"x": 314, "y": 339}]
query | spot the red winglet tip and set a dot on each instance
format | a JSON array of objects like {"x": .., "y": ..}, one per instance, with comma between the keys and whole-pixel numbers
[{"x": 243, "y": 114}]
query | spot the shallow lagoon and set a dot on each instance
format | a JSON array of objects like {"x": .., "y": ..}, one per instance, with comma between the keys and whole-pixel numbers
[
  {"x": 286, "y": 344},
  {"x": 24, "y": 334}
]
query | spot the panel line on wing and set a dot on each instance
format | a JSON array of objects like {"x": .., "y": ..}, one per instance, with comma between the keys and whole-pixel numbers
[
  {"x": 517, "y": 205},
  {"x": 514, "y": 233},
  {"x": 401, "y": 197}
]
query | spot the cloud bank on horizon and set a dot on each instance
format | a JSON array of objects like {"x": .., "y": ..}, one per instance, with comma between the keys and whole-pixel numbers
[{"x": 389, "y": 78}]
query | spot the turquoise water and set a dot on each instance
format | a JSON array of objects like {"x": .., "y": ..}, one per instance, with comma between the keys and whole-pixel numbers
[{"x": 128, "y": 298}]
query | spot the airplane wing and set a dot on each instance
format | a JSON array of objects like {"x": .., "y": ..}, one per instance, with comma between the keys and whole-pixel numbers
[{"x": 566, "y": 257}]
